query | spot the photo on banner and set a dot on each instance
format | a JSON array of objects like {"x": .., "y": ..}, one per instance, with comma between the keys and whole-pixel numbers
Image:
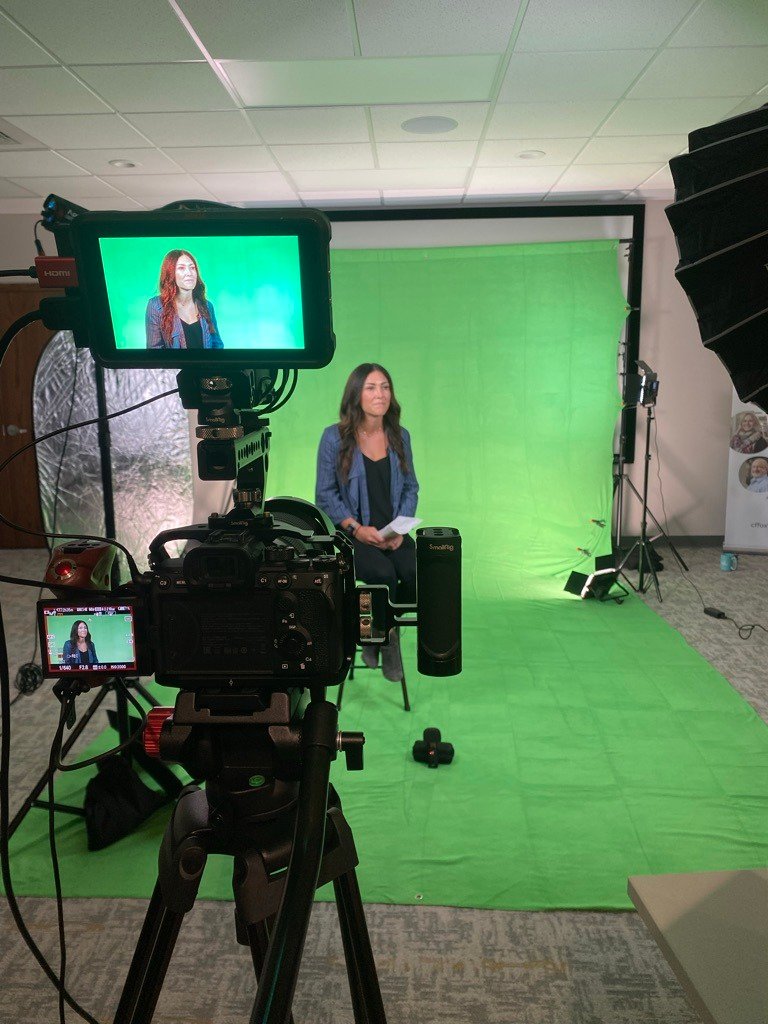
[{"x": 746, "y": 514}]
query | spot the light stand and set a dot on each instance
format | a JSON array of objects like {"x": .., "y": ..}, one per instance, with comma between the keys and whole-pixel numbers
[{"x": 646, "y": 385}]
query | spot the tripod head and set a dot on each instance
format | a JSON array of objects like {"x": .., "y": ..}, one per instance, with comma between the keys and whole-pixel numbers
[{"x": 246, "y": 746}]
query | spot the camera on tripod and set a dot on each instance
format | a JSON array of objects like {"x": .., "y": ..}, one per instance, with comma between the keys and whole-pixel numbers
[
  {"x": 265, "y": 595},
  {"x": 260, "y": 611}
]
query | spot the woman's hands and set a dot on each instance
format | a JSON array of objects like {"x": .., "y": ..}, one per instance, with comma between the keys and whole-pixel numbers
[
  {"x": 370, "y": 535},
  {"x": 394, "y": 543}
]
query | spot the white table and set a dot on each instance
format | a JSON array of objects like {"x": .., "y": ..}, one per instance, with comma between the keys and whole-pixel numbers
[{"x": 713, "y": 929}]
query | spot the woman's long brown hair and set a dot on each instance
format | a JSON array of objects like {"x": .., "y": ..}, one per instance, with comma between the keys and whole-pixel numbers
[
  {"x": 169, "y": 290},
  {"x": 352, "y": 417}
]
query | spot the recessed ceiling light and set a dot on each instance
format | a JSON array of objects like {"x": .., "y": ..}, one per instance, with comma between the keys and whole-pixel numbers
[
  {"x": 531, "y": 154},
  {"x": 432, "y": 124},
  {"x": 121, "y": 163}
]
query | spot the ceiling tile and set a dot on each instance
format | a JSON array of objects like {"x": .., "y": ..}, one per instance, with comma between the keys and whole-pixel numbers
[
  {"x": 88, "y": 32},
  {"x": 117, "y": 203},
  {"x": 224, "y": 128},
  {"x": 400, "y": 27},
  {"x": 617, "y": 177},
  {"x": 356, "y": 156},
  {"x": 350, "y": 197},
  {"x": 547, "y": 120},
  {"x": 22, "y": 139},
  {"x": 507, "y": 153},
  {"x": 402, "y": 179},
  {"x": 132, "y": 88},
  {"x": 272, "y": 29},
  {"x": 598, "y": 24},
  {"x": 664, "y": 117},
  {"x": 148, "y": 161},
  {"x": 571, "y": 76},
  {"x": 10, "y": 190},
  {"x": 706, "y": 71},
  {"x": 729, "y": 23},
  {"x": 45, "y": 91},
  {"x": 659, "y": 185},
  {"x": 72, "y": 188},
  {"x": 514, "y": 180},
  {"x": 80, "y": 131},
  {"x": 38, "y": 163},
  {"x": 372, "y": 80},
  {"x": 426, "y": 154},
  {"x": 220, "y": 159},
  {"x": 17, "y": 49},
  {"x": 387, "y": 120},
  {"x": 164, "y": 187},
  {"x": 632, "y": 149},
  {"x": 240, "y": 187},
  {"x": 297, "y": 125}
]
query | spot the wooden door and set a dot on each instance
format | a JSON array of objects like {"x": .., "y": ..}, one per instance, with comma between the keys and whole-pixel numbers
[{"x": 19, "y": 495}]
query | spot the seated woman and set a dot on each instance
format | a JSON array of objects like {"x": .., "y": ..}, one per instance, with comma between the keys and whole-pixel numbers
[
  {"x": 365, "y": 479},
  {"x": 80, "y": 649},
  {"x": 181, "y": 316}
]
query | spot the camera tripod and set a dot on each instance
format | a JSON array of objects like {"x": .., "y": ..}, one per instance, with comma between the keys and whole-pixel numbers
[
  {"x": 644, "y": 544},
  {"x": 266, "y": 757}
]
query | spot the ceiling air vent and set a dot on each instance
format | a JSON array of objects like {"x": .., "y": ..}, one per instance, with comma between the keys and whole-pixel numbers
[{"x": 6, "y": 140}]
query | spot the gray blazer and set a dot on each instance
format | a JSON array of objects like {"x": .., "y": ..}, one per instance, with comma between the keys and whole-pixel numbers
[{"x": 349, "y": 500}]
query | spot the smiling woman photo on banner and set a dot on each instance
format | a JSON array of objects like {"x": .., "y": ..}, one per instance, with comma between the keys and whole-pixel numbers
[
  {"x": 747, "y": 437},
  {"x": 181, "y": 316}
]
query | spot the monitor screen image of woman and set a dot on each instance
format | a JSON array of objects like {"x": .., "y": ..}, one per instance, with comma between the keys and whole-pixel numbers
[
  {"x": 80, "y": 648},
  {"x": 181, "y": 316}
]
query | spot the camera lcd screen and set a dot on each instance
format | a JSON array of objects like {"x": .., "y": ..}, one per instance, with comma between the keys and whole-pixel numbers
[
  {"x": 88, "y": 638},
  {"x": 216, "y": 288}
]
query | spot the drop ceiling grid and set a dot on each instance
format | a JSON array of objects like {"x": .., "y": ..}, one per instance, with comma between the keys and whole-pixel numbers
[{"x": 607, "y": 91}]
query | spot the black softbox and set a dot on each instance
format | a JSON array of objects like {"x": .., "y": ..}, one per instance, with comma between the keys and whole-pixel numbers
[{"x": 720, "y": 220}]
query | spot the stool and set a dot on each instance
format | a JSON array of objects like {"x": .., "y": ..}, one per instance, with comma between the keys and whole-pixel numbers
[{"x": 364, "y": 667}]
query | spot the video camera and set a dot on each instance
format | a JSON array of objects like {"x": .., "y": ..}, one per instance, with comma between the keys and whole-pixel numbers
[{"x": 264, "y": 596}]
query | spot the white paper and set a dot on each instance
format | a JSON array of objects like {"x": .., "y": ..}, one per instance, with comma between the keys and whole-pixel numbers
[{"x": 399, "y": 526}]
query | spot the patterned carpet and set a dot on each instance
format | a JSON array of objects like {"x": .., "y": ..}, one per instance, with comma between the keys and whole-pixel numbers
[{"x": 436, "y": 964}]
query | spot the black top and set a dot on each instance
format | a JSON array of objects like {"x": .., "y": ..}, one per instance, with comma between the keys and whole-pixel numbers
[
  {"x": 193, "y": 334},
  {"x": 378, "y": 476}
]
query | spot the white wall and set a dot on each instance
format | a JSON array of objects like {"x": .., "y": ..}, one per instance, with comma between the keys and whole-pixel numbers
[
  {"x": 694, "y": 405},
  {"x": 693, "y": 411},
  {"x": 17, "y": 242}
]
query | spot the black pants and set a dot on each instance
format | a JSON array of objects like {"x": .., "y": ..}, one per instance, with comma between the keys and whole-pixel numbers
[{"x": 395, "y": 568}]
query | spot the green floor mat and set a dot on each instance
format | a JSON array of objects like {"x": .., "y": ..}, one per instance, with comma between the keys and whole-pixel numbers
[{"x": 591, "y": 744}]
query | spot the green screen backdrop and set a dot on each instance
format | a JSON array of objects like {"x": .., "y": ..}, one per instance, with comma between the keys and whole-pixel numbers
[
  {"x": 504, "y": 362},
  {"x": 591, "y": 742}
]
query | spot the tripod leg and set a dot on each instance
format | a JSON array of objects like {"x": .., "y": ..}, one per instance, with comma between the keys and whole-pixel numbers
[
  {"x": 150, "y": 963},
  {"x": 281, "y": 967},
  {"x": 367, "y": 1005},
  {"x": 258, "y": 940}
]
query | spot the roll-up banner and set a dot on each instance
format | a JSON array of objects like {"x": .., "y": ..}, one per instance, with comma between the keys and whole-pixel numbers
[{"x": 746, "y": 513}]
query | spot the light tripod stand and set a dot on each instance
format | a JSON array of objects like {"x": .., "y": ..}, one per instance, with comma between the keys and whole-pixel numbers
[
  {"x": 644, "y": 544},
  {"x": 266, "y": 757}
]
